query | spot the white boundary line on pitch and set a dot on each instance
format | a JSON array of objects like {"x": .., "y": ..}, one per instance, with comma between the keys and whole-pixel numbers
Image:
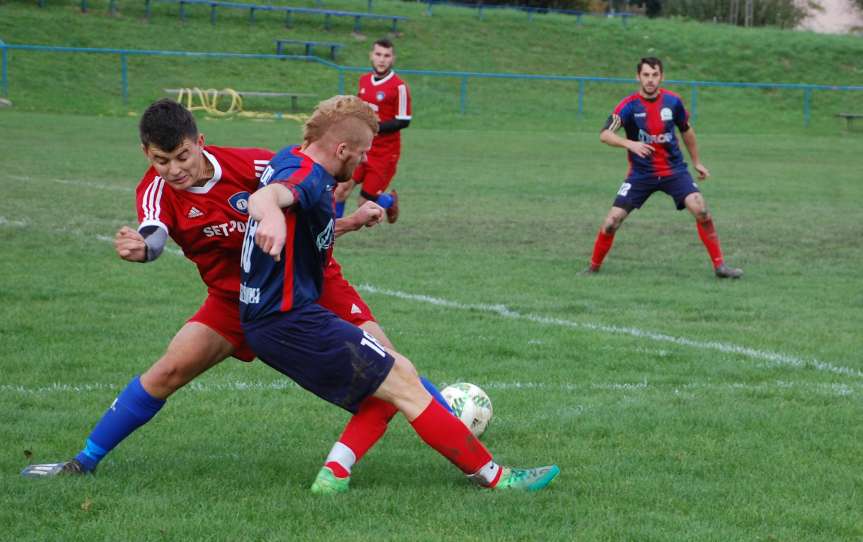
[
  {"x": 832, "y": 389},
  {"x": 728, "y": 348},
  {"x": 78, "y": 183}
]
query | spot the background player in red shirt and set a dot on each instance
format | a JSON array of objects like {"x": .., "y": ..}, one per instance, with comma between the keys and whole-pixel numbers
[
  {"x": 198, "y": 195},
  {"x": 649, "y": 118},
  {"x": 390, "y": 97}
]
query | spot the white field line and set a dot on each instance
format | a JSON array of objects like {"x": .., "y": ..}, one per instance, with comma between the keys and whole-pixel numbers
[
  {"x": 729, "y": 348},
  {"x": 14, "y": 223},
  {"x": 78, "y": 183},
  {"x": 775, "y": 358},
  {"x": 829, "y": 389}
]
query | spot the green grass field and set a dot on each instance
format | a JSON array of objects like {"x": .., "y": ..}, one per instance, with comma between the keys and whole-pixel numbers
[{"x": 678, "y": 406}]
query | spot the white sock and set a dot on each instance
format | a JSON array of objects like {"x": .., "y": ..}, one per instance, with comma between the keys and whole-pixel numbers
[
  {"x": 487, "y": 475},
  {"x": 342, "y": 455}
]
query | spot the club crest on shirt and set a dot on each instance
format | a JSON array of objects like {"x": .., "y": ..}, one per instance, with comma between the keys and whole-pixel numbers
[
  {"x": 325, "y": 238},
  {"x": 240, "y": 202},
  {"x": 666, "y": 114},
  {"x": 380, "y": 95}
]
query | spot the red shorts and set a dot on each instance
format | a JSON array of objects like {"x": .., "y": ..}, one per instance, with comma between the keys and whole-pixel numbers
[
  {"x": 377, "y": 172},
  {"x": 339, "y": 297},
  {"x": 222, "y": 314}
]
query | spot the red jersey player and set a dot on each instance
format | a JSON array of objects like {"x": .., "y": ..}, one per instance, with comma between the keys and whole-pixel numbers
[
  {"x": 390, "y": 97},
  {"x": 198, "y": 195}
]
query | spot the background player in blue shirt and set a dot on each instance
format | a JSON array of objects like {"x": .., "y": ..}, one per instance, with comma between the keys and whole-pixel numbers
[
  {"x": 649, "y": 118},
  {"x": 288, "y": 242}
]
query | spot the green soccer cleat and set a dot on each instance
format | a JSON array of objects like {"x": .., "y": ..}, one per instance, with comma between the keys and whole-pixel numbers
[
  {"x": 527, "y": 479},
  {"x": 327, "y": 483},
  {"x": 72, "y": 467}
]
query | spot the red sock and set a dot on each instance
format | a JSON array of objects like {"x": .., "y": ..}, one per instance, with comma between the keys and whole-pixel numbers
[
  {"x": 707, "y": 233},
  {"x": 363, "y": 430},
  {"x": 600, "y": 248},
  {"x": 451, "y": 438}
]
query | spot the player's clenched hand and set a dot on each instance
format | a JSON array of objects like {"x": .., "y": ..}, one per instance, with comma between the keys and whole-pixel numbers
[
  {"x": 703, "y": 172},
  {"x": 369, "y": 214},
  {"x": 270, "y": 235},
  {"x": 643, "y": 150},
  {"x": 130, "y": 245}
]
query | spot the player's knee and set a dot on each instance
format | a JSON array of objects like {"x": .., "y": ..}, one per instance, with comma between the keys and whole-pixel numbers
[
  {"x": 164, "y": 378},
  {"x": 610, "y": 226}
]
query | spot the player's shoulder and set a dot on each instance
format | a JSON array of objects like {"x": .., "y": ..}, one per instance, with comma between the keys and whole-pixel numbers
[
  {"x": 244, "y": 154},
  {"x": 626, "y": 102},
  {"x": 291, "y": 163},
  {"x": 396, "y": 80},
  {"x": 150, "y": 179},
  {"x": 670, "y": 97}
]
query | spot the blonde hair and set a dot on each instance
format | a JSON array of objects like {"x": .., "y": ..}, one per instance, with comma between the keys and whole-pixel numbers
[{"x": 334, "y": 112}]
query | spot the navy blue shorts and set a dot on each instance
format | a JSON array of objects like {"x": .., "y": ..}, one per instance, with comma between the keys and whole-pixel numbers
[
  {"x": 637, "y": 188},
  {"x": 335, "y": 360}
]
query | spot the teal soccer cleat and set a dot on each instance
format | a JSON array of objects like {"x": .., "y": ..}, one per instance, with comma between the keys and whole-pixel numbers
[
  {"x": 527, "y": 479},
  {"x": 327, "y": 483},
  {"x": 45, "y": 470}
]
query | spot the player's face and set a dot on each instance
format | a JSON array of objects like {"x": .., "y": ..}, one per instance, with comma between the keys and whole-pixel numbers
[
  {"x": 351, "y": 156},
  {"x": 650, "y": 79},
  {"x": 182, "y": 167},
  {"x": 382, "y": 59}
]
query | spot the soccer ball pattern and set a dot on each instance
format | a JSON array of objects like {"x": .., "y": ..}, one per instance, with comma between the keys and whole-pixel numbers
[{"x": 469, "y": 404}]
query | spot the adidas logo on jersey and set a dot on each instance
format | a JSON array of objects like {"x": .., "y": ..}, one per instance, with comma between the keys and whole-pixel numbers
[{"x": 194, "y": 212}]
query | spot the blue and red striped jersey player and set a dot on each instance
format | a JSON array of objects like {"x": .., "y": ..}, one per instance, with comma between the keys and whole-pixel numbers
[
  {"x": 289, "y": 241},
  {"x": 649, "y": 119},
  {"x": 198, "y": 195},
  {"x": 390, "y": 97}
]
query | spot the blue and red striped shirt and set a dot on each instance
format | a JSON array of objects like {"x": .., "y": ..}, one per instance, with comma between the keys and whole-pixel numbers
[
  {"x": 269, "y": 286},
  {"x": 652, "y": 122}
]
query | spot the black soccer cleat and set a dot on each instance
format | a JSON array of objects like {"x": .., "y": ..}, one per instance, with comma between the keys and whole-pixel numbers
[
  {"x": 725, "y": 272},
  {"x": 72, "y": 467}
]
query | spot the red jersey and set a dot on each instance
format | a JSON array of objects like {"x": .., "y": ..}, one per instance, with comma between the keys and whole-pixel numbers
[
  {"x": 391, "y": 99},
  {"x": 207, "y": 222}
]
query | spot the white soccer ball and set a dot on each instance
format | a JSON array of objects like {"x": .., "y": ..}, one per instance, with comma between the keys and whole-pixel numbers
[{"x": 469, "y": 404}]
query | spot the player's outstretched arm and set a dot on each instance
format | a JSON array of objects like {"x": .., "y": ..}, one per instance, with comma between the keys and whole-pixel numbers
[
  {"x": 265, "y": 206},
  {"x": 369, "y": 214},
  {"x": 692, "y": 148},
  {"x": 130, "y": 245}
]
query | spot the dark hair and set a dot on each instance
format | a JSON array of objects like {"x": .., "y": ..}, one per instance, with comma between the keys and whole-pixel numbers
[
  {"x": 651, "y": 61},
  {"x": 383, "y": 42},
  {"x": 165, "y": 124}
]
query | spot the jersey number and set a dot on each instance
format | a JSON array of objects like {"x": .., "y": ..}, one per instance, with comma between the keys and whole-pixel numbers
[
  {"x": 624, "y": 189},
  {"x": 248, "y": 245},
  {"x": 371, "y": 342}
]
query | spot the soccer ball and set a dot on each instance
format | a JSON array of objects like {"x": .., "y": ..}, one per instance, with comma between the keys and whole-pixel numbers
[{"x": 469, "y": 404}]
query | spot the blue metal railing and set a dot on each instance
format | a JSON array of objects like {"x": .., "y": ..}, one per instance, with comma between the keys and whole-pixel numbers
[{"x": 463, "y": 77}]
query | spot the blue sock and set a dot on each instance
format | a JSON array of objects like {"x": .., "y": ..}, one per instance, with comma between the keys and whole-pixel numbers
[
  {"x": 385, "y": 200},
  {"x": 340, "y": 209},
  {"x": 435, "y": 393},
  {"x": 133, "y": 408}
]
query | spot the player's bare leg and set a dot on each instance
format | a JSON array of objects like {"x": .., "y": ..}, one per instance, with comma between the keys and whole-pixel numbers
[
  {"x": 363, "y": 431},
  {"x": 605, "y": 238},
  {"x": 696, "y": 205},
  {"x": 449, "y": 436},
  {"x": 193, "y": 350}
]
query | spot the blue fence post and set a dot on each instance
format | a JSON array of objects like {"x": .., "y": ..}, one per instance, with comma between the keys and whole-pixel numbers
[
  {"x": 807, "y": 104},
  {"x": 429, "y": 8},
  {"x": 581, "y": 97},
  {"x": 693, "y": 105},
  {"x": 83, "y": 6},
  {"x": 463, "y": 94},
  {"x": 370, "y": 6},
  {"x": 341, "y": 80},
  {"x": 124, "y": 76},
  {"x": 5, "y": 79}
]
